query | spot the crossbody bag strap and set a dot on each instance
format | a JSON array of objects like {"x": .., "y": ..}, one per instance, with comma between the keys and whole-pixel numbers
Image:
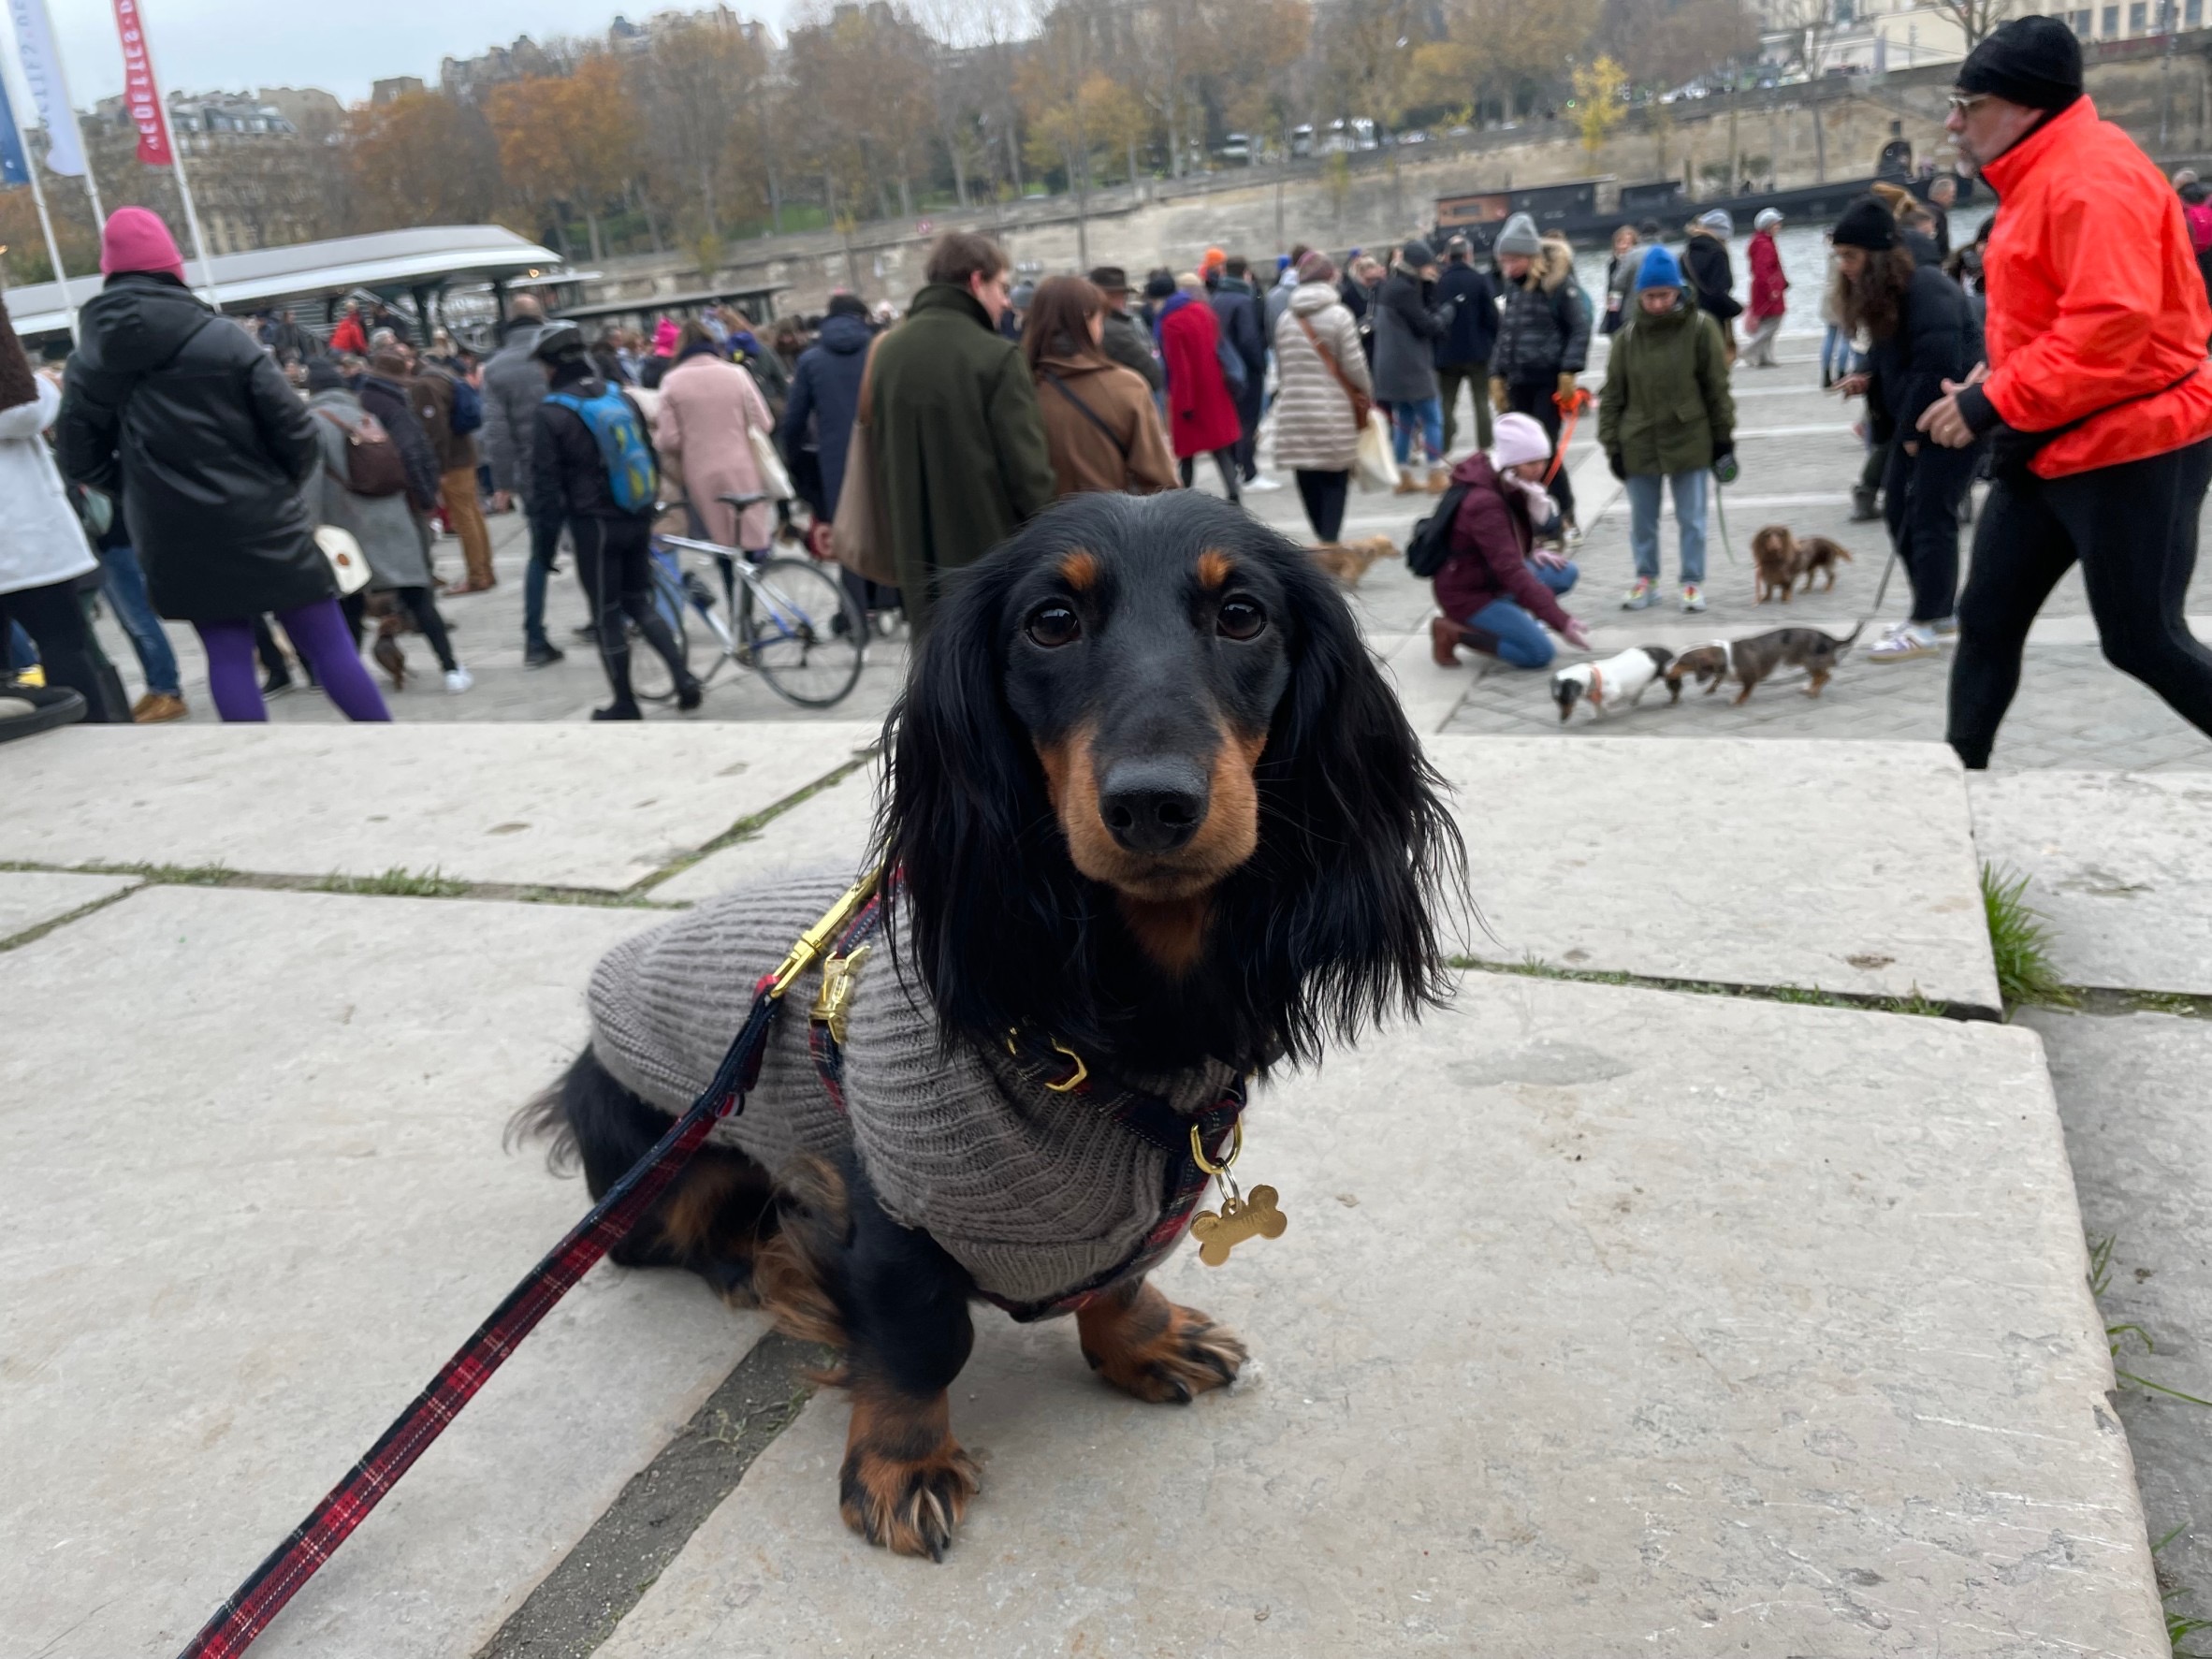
[
  {"x": 1088, "y": 412},
  {"x": 1361, "y": 401}
]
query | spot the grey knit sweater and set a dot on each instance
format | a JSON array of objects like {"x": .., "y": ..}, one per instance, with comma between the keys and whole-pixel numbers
[{"x": 1032, "y": 1192}]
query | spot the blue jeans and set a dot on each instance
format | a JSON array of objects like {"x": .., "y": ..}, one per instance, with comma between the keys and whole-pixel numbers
[
  {"x": 1428, "y": 414},
  {"x": 1835, "y": 353},
  {"x": 545, "y": 547},
  {"x": 1689, "y": 514},
  {"x": 125, "y": 584},
  {"x": 1521, "y": 639}
]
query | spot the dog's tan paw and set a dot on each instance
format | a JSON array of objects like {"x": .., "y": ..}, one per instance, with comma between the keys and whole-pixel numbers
[
  {"x": 1150, "y": 1348},
  {"x": 906, "y": 1482}
]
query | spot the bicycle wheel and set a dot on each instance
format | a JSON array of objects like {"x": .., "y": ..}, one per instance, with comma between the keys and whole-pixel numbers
[
  {"x": 800, "y": 628},
  {"x": 649, "y": 672}
]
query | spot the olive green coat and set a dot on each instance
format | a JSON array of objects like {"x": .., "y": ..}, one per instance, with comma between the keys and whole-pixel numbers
[
  {"x": 1665, "y": 406},
  {"x": 957, "y": 441}
]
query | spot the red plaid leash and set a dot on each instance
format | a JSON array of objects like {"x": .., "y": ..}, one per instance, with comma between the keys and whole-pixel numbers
[{"x": 246, "y": 1613}]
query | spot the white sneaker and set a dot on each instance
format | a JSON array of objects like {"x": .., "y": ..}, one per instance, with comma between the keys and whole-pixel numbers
[
  {"x": 1261, "y": 481},
  {"x": 458, "y": 680},
  {"x": 1904, "y": 643}
]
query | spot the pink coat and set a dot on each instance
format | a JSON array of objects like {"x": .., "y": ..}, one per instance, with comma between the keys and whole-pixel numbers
[{"x": 706, "y": 407}]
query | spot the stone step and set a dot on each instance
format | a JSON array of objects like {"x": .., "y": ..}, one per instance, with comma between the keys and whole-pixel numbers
[
  {"x": 257, "y": 1195},
  {"x": 1606, "y": 1321},
  {"x": 2118, "y": 866},
  {"x": 580, "y": 805}
]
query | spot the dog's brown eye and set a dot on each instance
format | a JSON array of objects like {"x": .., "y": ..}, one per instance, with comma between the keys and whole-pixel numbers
[
  {"x": 1055, "y": 625},
  {"x": 1240, "y": 618}
]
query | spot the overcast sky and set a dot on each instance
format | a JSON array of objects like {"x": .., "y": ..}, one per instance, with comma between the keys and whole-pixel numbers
[{"x": 241, "y": 44}]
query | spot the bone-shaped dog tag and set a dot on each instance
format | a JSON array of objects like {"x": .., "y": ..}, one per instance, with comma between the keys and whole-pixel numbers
[{"x": 1260, "y": 1216}]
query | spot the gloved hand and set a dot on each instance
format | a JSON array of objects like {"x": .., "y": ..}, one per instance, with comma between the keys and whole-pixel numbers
[
  {"x": 1567, "y": 385},
  {"x": 1617, "y": 465},
  {"x": 1499, "y": 399},
  {"x": 1723, "y": 463}
]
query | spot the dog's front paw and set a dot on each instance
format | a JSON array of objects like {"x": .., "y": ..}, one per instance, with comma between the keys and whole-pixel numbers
[
  {"x": 1157, "y": 1351},
  {"x": 906, "y": 1482}
]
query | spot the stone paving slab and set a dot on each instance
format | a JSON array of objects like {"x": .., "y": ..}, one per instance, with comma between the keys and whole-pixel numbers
[
  {"x": 31, "y": 899},
  {"x": 2136, "y": 1096},
  {"x": 1847, "y": 868},
  {"x": 1633, "y": 1323},
  {"x": 828, "y": 828},
  {"x": 2117, "y": 865},
  {"x": 559, "y": 804},
  {"x": 249, "y": 1149}
]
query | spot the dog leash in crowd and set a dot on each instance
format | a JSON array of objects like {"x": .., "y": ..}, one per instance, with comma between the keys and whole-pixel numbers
[{"x": 249, "y": 1609}]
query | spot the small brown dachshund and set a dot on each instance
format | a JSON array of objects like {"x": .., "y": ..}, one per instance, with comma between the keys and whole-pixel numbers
[{"x": 1781, "y": 557}]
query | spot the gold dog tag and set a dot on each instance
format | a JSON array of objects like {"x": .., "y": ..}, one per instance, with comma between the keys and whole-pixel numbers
[{"x": 1260, "y": 1217}]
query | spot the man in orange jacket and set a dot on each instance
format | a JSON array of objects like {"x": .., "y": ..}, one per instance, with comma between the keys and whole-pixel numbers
[{"x": 2096, "y": 390}]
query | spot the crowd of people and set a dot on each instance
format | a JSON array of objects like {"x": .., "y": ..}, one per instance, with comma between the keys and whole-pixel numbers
[{"x": 203, "y": 467}]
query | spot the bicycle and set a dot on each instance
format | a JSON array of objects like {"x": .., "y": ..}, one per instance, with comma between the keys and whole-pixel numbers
[{"x": 796, "y": 625}]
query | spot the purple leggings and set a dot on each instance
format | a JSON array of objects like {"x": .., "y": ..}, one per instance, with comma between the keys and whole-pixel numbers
[{"x": 318, "y": 633}]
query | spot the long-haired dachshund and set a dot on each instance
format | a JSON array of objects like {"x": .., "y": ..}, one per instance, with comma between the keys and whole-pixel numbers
[{"x": 1158, "y": 823}]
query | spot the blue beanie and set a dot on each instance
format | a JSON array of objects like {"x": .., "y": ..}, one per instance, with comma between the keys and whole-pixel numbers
[{"x": 1660, "y": 269}]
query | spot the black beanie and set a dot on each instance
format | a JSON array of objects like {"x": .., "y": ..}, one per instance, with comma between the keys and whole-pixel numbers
[
  {"x": 2034, "y": 62},
  {"x": 323, "y": 376},
  {"x": 1867, "y": 224}
]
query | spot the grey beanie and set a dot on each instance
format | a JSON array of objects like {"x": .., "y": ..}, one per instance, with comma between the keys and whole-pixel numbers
[
  {"x": 1519, "y": 236},
  {"x": 1416, "y": 254}
]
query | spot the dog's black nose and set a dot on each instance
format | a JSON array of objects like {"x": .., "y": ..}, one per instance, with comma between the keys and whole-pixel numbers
[{"x": 1153, "y": 806}]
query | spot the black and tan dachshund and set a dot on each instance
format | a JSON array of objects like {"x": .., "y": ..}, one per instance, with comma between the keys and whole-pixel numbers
[{"x": 1149, "y": 796}]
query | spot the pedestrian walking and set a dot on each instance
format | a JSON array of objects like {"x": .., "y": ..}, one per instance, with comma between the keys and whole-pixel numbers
[
  {"x": 1286, "y": 280},
  {"x": 43, "y": 556},
  {"x": 1242, "y": 316},
  {"x": 1712, "y": 276},
  {"x": 1620, "y": 267},
  {"x": 196, "y": 429},
  {"x": 450, "y": 412},
  {"x": 1100, "y": 425},
  {"x": 1202, "y": 415},
  {"x": 390, "y": 536},
  {"x": 953, "y": 426},
  {"x": 709, "y": 410},
  {"x": 1497, "y": 590},
  {"x": 824, "y": 396},
  {"x": 1362, "y": 276},
  {"x": 1463, "y": 349},
  {"x": 350, "y": 338},
  {"x": 514, "y": 386},
  {"x": 1543, "y": 339},
  {"x": 1123, "y": 338},
  {"x": 123, "y": 584},
  {"x": 1942, "y": 195},
  {"x": 1923, "y": 334},
  {"x": 1321, "y": 395},
  {"x": 571, "y": 482},
  {"x": 1769, "y": 286},
  {"x": 1666, "y": 418},
  {"x": 1410, "y": 319},
  {"x": 2097, "y": 397}
]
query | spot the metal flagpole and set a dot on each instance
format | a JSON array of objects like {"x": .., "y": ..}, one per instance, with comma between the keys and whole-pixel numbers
[
  {"x": 54, "y": 251},
  {"x": 199, "y": 242},
  {"x": 158, "y": 142},
  {"x": 50, "y": 92}
]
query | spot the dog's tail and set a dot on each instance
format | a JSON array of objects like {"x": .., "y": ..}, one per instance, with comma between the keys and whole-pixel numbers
[
  {"x": 1850, "y": 640},
  {"x": 547, "y": 1116}
]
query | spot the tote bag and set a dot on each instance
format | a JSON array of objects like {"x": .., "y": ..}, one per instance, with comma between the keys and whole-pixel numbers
[
  {"x": 860, "y": 538},
  {"x": 775, "y": 477},
  {"x": 1377, "y": 466}
]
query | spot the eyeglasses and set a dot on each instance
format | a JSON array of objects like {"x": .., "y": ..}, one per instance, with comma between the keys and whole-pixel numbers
[{"x": 1964, "y": 102}]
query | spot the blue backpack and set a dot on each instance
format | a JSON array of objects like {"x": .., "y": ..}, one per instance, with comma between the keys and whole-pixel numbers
[
  {"x": 468, "y": 408},
  {"x": 612, "y": 420}
]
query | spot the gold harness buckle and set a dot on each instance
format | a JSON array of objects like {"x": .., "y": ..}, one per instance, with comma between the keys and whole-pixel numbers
[{"x": 835, "y": 1000}]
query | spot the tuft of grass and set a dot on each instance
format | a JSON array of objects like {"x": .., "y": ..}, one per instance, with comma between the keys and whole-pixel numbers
[
  {"x": 2020, "y": 942},
  {"x": 2116, "y": 1337},
  {"x": 395, "y": 882},
  {"x": 2180, "y": 1626},
  {"x": 746, "y": 828}
]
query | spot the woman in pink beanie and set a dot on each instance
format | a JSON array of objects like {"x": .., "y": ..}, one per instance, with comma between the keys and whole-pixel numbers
[{"x": 194, "y": 425}]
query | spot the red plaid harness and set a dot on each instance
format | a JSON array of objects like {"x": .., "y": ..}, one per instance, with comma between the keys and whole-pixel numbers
[{"x": 856, "y": 919}]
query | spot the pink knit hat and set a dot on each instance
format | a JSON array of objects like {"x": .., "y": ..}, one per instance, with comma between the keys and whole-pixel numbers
[
  {"x": 1518, "y": 438},
  {"x": 136, "y": 239}
]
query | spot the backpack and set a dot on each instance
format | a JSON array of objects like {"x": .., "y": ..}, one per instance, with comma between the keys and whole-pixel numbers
[
  {"x": 1430, "y": 545},
  {"x": 612, "y": 420},
  {"x": 468, "y": 409},
  {"x": 2199, "y": 215},
  {"x": 373, "y": 463}
]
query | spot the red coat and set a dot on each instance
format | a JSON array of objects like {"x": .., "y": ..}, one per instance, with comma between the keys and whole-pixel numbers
[
  {"x": 1490, "y": 538},
  {"x": 1768, "y": 283},
  {"x": 2094, "y": 298},
  {"x": 348, "y": 337},
  {"x": 1201, "y": 418}
]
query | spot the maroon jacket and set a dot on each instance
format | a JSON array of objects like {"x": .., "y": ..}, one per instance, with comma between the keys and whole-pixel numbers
[{"x": 1491, "y": 539}]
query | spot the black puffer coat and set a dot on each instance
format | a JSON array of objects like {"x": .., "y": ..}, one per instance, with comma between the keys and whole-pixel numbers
[
  {"x": 178, "y": 413},
  {"x": 1544, "y": 328},
  {"x": 1712, "y": 277}
]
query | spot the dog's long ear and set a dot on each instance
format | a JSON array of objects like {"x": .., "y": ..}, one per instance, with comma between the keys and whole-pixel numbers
[
  {"x": 965, "y": 820},
  {"x": 1338, "y": 919}
]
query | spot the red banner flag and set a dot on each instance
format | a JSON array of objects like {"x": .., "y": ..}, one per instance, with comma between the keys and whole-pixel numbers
[{"x": 140, "y": 96}]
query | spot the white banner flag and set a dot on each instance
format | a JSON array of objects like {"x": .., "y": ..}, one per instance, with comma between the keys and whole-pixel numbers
[{"x": 50, "y": 91}]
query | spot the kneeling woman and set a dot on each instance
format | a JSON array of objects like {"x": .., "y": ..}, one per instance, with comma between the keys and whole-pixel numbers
[
  {"x": 1924, "y": 333},
  {"x": 1498, "y": 593}
]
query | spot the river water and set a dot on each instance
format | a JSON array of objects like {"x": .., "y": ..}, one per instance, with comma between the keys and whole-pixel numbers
[{"x": 1804, "y": 251}]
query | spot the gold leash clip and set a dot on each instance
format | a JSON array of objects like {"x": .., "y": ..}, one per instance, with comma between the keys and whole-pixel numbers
[{"x": 809, "y": 947}]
